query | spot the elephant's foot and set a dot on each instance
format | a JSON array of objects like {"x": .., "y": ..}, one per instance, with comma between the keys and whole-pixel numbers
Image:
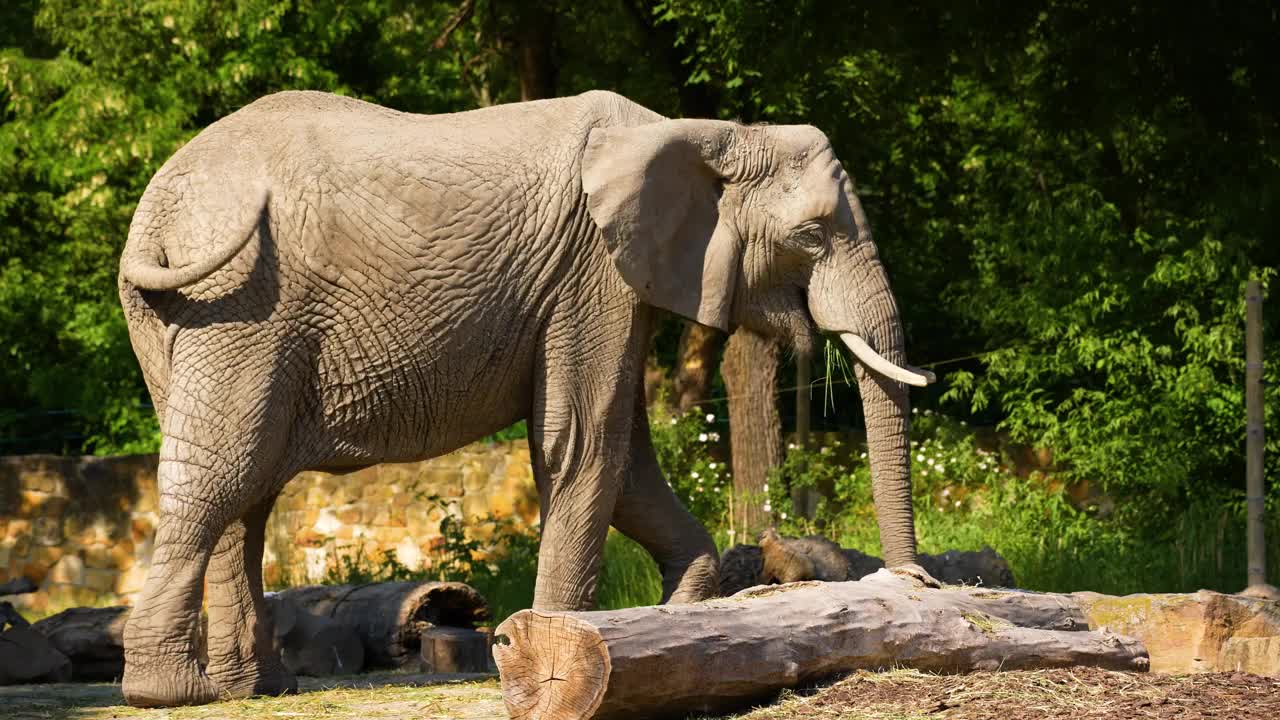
[
  {"x": 694, "y": 581},
  {"x": 917, "y": 573},
  {"x": 253, "y": 679},
  {"x": 150, "y": 685}
]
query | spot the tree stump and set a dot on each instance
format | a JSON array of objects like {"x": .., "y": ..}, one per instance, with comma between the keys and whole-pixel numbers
[
  {"x": 454, "y": 650},
  {"x": 725, "y": 653},
  {"x": 389, "y": 618}
]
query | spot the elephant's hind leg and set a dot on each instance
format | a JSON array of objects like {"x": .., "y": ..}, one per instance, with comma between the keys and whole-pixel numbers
[
  {"x": 161, "y": 669},
  {"x": 225, "y": 436},
  {"x": 242, "y": 659},
  {"x": 649, "y": 512}
]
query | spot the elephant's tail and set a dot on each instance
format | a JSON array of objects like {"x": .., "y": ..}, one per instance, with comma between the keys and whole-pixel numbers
[{"x": 144, "y": 265}]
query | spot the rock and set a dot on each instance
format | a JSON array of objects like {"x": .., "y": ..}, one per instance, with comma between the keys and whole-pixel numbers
[{"x": 1195, "y": 632}]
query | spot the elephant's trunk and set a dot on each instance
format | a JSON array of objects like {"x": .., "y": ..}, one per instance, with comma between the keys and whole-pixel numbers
[{"x": 849, "y": 294}]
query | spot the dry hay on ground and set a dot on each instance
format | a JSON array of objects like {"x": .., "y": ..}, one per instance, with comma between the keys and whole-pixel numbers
[{"x": 1066, "y": 694}]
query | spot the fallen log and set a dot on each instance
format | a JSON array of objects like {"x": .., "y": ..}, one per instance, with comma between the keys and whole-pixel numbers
[
  {"x": 725, "y": 653},
  {"x": 93, "y": 638},
  {"x": 313, "y": 645},
  {"x": 26, "y": 656},
  {"x": 390, "y": 617}
]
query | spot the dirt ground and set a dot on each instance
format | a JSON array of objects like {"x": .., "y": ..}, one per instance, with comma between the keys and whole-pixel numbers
[{"x": 1074, "y": 694}]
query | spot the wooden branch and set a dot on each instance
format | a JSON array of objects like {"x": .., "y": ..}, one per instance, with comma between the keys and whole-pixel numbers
[
  {"x": 18, "y": 586},
  {"x": 389, "y": 618},
  {"x": 462, "y": 15},
  {"x": 725, "y": 653}
]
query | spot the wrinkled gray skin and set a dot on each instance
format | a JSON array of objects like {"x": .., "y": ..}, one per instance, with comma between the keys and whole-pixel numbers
[{"x": 319, "y": 283}]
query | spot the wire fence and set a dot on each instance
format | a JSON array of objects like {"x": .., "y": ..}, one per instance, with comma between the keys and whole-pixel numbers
[{"x": 60, "y": 429}]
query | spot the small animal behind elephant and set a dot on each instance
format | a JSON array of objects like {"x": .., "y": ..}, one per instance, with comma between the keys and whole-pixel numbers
[{"x": 780, "y": 560}]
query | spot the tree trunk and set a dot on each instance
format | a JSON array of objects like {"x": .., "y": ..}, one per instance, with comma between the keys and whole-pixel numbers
[
  {"x": 723, "y": 654},
  {"x": 535, "y": 60},
  {"x": 390, "y": 617},
  {"x": 695, "y": 364},
  {"x": 750, "y": 371}
]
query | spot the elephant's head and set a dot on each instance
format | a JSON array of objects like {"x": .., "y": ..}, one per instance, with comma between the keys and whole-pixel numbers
[{"x": 758, "y": 226}]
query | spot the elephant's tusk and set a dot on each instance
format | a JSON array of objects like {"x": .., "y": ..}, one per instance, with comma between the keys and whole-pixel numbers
[{"x": 872, "y": 359}]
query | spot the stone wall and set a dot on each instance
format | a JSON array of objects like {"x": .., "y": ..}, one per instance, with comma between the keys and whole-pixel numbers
[{"x": 82, "y": 527}]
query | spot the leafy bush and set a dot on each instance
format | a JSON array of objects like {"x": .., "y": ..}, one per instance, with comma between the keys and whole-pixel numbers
[{"x": 683, "y": 444}]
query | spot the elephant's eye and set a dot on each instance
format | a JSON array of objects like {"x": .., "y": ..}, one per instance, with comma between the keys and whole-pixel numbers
[{"x": 810, "y": 235}]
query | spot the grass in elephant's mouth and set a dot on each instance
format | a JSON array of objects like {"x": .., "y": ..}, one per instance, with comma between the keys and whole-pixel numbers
[{"x": 834, "y": 360}]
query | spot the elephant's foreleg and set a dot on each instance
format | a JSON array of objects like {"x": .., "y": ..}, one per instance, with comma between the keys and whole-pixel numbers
[
  {"x": 577, "y": 489},
  {"x": 579, "y": 438},
  {"x": 242, "y": 659},
  {"x": 649, "y": 513}
]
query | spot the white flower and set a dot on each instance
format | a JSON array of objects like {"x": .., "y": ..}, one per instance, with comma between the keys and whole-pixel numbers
[
  {"x": 791, "y": 446},
  {"x": 783, "y": 516},
  {"x": 711, "y": 418},
  {"x": 957, "y": 503},
  {"x": 946, "y": 492},
  {"x": 694, "y": 474},
  {"x": 915, "y": 410},
  {"x": 711, "y": 466},
  {"x": 768, "y": 507},
  {"x": 673, "y": 421},
  {"x": 825, "y": 451},
  {"x": 766, "y": 487},
  {"x": 731, "y": 532},
  {"x": 715, "y": 437},
  {"x": 920, "y": 457},
  {"x": 864, "y": 456},
  {"x": 702, "y": 437}
]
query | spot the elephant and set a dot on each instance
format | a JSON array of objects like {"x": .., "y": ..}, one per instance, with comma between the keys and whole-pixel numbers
[{"x": 315, "y": 282}]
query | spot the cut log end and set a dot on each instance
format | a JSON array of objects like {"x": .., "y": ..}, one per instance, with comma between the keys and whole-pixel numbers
[{"x": 552, "y": 666}]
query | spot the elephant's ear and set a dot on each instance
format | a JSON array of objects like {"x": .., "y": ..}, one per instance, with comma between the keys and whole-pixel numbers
[{"x": 654, "y": 192}]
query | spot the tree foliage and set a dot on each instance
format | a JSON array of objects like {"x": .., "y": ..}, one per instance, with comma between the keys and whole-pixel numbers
[{"x": 1069, "y": 194}]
